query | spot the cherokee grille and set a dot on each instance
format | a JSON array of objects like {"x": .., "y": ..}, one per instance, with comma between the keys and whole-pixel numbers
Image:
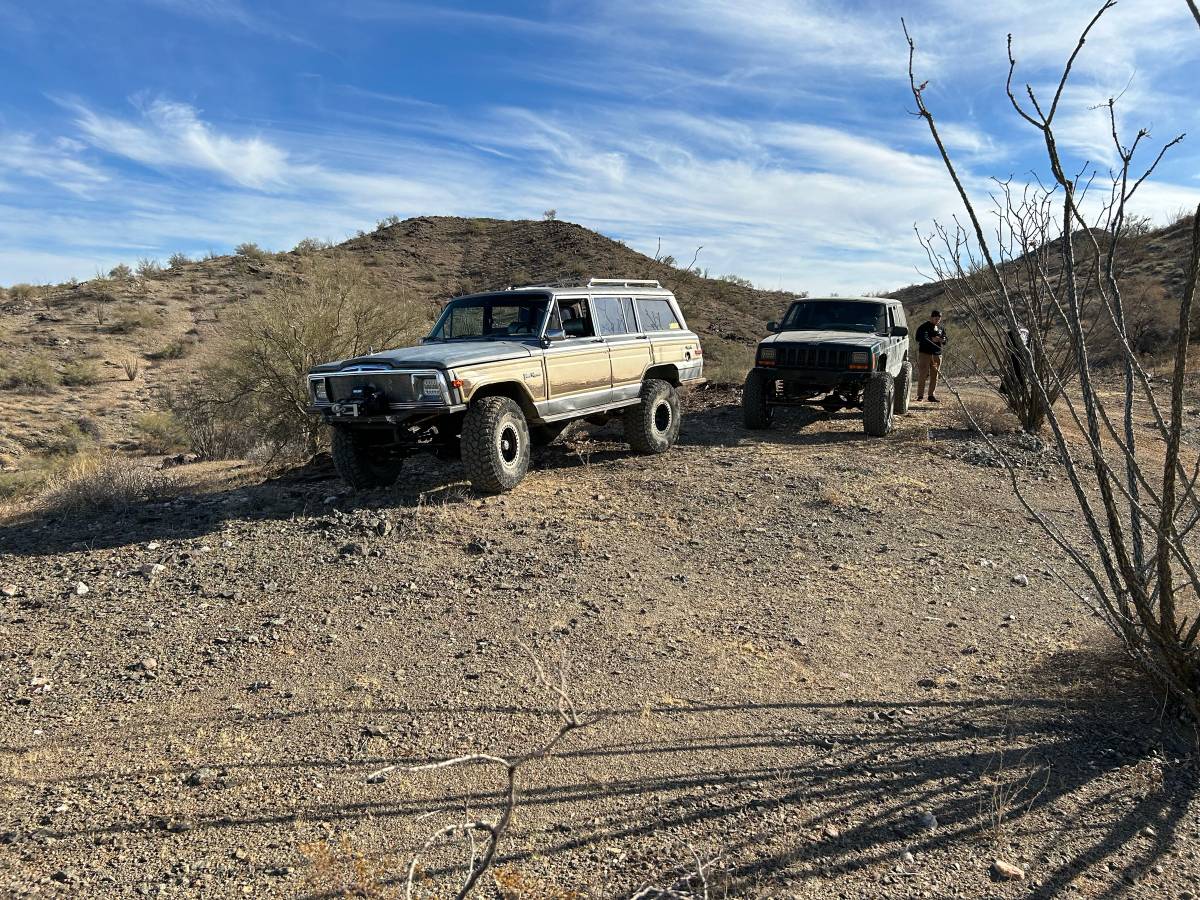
[
  {"x": 793, "y": 357},
  {"x": 397, "y": 387}
]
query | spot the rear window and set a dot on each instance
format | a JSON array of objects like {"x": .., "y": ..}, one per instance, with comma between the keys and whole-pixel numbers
[{"x": 656, "y": 315}]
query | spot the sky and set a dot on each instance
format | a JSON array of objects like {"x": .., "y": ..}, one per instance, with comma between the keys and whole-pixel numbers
[{"x": 777, "y": 135}]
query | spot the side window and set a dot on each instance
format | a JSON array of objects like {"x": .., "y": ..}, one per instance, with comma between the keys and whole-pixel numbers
[
  {"x": 656, "y": 315},
  {"x": 891, "y": 320},
  {"x": 610, "y": 315},
  {"x": 630, "y": 322},
  {"x": 576, "y": 318}
]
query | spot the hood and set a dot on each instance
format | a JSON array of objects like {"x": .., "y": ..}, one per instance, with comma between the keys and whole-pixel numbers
[
  {"x": 817, "y": 338},
  {"x": 436, "y": 355}
]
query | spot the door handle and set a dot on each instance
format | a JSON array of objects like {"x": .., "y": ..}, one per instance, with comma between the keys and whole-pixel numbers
[{"x": 597, "y": 340}]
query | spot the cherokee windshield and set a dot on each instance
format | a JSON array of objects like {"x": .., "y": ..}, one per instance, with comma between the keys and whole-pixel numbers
[
  {"x": 834, "y": 315},
  {"x": 491, "y": 317}
]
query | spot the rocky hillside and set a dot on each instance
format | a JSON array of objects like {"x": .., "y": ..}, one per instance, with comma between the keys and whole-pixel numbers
[{"x": 93, "y": 356}]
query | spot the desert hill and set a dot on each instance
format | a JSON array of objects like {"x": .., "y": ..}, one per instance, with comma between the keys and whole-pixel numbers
[{"x": 94, "y": 355}]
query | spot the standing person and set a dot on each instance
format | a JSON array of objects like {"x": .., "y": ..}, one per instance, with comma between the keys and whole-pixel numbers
[{"x": 931, "y": 338}]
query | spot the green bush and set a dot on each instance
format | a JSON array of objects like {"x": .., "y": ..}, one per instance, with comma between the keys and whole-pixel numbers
[
  {"x": 22, "y": 293},
  {"x": 80, "y": 372},
  {"x": 327, "y": 309},
  {"x": 30, "y": 375},
  {"x": 312, "y": 245},
  {"x": 130, "y": 318},
  {"x": 250, "y": 250},
  {"x": 161, "y": 432},
  {"x": 178, "y": 261},
  {"x": 148, "y": 268},
  {"x": 120, "y": 272},
  {"x": 174, "y": 350}
]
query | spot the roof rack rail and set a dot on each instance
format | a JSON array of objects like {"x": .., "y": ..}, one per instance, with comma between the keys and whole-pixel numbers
[{"x": 623, "y": 282}]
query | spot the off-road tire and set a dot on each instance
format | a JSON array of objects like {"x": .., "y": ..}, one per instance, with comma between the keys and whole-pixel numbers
[
  {"x": 756, "y": 414},
  {"x": 495, "y": 445},
  {"x": 879, "y": 404},
  {"x": 653, "y": 425},
  {"x": 903, "y": 389},
  {"x": 359, "y": 463}
]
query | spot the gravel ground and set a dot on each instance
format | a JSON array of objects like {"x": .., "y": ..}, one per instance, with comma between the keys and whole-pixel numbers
[{"x": 827, "y": 666}]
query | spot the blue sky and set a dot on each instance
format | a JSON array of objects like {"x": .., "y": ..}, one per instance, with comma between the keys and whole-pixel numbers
[{"x": 775, "y": 133}]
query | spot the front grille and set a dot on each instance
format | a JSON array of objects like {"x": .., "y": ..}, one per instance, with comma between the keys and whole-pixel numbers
[
  {"x": 396, "y": 387},
  {"x": 793, "y": 356}
]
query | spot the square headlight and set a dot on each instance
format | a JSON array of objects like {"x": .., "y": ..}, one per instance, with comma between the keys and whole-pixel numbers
[
  {"x": 320, "y": 389},
  {"x": 860, "y": 358},
  {"x": 429, "y": 388},
  {"x": 766, "y": 354}
]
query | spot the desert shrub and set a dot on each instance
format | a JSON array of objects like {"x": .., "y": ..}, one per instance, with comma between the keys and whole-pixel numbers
[
  {"x": 131, "y": 367},
  {"x": 93, "y": 483},
  {"x": 737, "y": 279},
  {"x": 161, "y": 432},
  {"x": 255, "y": 377},
  {"x": 178, "y": 260},
  {"x": 70, "y": 438},
  {"x": 207, "y": 429},
  {"x": 175, "y": 350},
  {"x": 148, "y": 268},
  {"x": 22, "y": 293},
  {"x": 387, "y": 222},
  {"x": 130, "y": 318},
  {"x": 312, "y": 245},
  {"x": 991, "y": 414},
  {"x": 550, "y": 215},
  {"x": 120, "y": 272},
  {"x": 727, "y": 363},
  {"x": 250, "y": 250},
  {"x": 33, "y": 374},
  {"x": 80, "y": 372}
]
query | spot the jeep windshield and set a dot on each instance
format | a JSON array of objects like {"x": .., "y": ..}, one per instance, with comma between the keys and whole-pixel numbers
[
  {"x": 834, "y": 315},
  {"x": 491, "y": 317}
]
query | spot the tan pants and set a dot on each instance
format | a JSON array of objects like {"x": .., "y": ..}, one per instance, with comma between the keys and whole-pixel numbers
[{"x": 928, "y": 367}]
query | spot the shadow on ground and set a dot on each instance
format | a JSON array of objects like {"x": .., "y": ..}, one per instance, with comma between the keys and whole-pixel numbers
[{"x": 800, "y": 792}]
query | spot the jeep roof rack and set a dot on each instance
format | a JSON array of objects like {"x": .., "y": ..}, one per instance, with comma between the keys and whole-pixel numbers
[{"x": 624, "y": 282}]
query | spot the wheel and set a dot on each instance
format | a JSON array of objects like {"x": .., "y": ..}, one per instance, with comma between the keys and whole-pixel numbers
[
  {"x": 495, "y": 444},
  {"x": 359, "y": 462},
  {"x": 903, "y": 388},
  {"x": 653, "y": 425},
  {"x": 879, "y": 404},
  {"x": 756, "y": 413}
]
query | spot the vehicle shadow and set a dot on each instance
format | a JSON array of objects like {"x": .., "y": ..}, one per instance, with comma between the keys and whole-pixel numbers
[{"x": 786, "y": 802}]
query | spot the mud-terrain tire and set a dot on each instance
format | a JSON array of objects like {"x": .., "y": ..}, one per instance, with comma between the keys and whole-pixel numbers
[
  {"x": 359, "y": 463},
  {"x": 903, "y": 389},
  {"x": 756, "y": 414},
  {"x": 879, "y": 404},
  {"x": 653, "y": 425},
  {"x": 495, "y": 445}
]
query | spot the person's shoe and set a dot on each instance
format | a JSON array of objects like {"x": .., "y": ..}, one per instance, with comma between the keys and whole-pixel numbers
[
  {"x": 920, "y": 399},
  {"x": 933, "y": 399}
]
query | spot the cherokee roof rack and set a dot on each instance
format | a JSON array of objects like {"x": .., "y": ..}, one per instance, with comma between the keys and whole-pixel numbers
[{"x": 623, "y": 282}]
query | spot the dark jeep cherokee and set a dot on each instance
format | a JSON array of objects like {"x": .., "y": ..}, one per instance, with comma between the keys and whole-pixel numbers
[{"x": 835, "y": 352}]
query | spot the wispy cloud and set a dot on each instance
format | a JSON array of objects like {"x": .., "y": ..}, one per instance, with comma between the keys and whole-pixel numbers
[
  {"x": 57, "y": 162},
  {"x": 171, "y": 135}
]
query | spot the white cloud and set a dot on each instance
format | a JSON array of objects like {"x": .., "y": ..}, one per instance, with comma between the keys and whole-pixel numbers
[
  {"x": 57, "y": 162},
  {"x": 172, "y": 136}
]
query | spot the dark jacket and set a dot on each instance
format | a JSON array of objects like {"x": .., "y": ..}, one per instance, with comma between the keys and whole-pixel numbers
[{"x": 926, "y": 335}]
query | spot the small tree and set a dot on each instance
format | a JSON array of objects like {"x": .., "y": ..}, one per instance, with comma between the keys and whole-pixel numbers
[
  {"x": 1139, "y": 509},
  {"x": 327, "y": 309},
  {"x": 550, "y": 215}
]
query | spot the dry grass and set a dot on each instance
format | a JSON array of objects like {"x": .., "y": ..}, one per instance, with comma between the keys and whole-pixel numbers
[
  {"x": 33, "y": 374},
  {"x": 92, "y": 484},
  {"x": 80, "y": 373},
  {"x": 161, "y": 432},
  {"x": 989, "y": 413},
  {"x": 131, "y": 318}
]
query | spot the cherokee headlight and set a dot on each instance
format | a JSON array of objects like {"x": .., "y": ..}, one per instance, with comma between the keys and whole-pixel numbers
[
  {"x": 860, "y": 358},
  {"x": 320, "y": 389},
  {"x": 429, "y": 387},
  {"x": 766, "y": 354}
]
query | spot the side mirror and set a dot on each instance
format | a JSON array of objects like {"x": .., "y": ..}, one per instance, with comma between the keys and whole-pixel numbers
[
  {"x": 773, "y": 327},
  {"x": 900, "y": 331},
  {"x": 552, "y": 335}
]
